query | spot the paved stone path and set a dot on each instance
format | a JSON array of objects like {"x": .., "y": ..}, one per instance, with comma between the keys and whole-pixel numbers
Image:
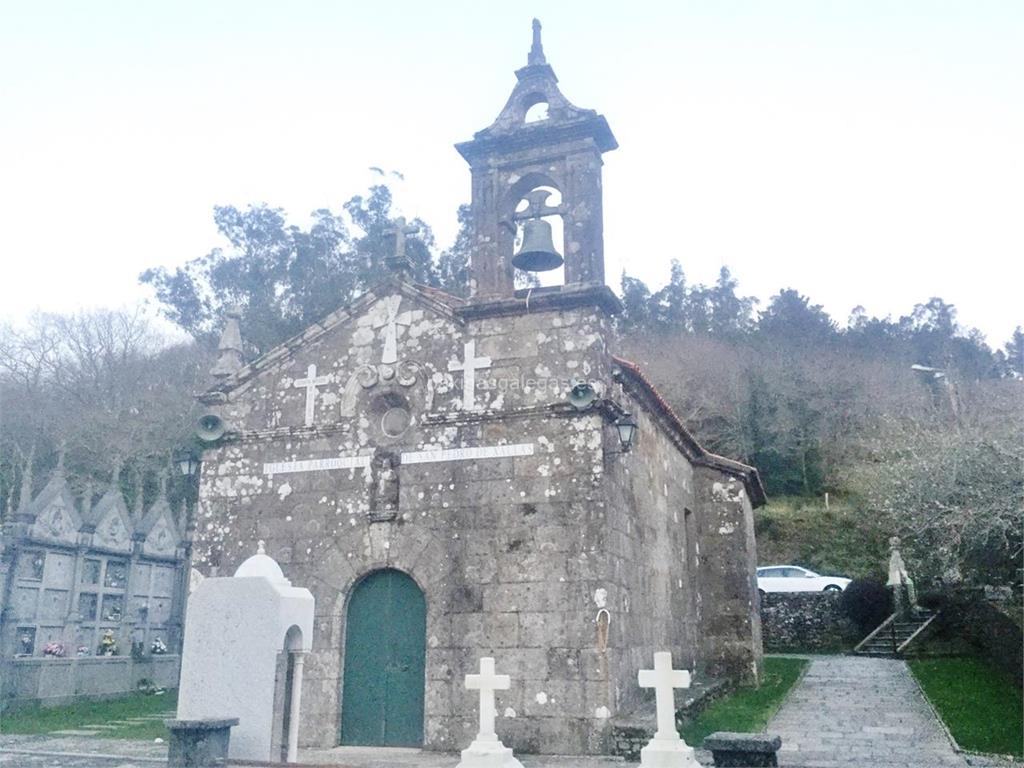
[{"x": 852, "y": 712}]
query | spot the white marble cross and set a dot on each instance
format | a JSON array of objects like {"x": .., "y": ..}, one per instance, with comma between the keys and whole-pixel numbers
[
  {"x": 487, "y": 683},
  {"x": 664, "y": 680},
  {"x": 391, "y": 323},
  {"x": 470, "y": 365},
  {"x": 311, "y": 382}
]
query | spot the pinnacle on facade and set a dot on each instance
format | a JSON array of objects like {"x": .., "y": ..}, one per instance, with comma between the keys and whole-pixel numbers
[
  {"x": 536, "y": 55},
  {"x": 25, "y": 498},
  {"x": 229, "y": 350}
]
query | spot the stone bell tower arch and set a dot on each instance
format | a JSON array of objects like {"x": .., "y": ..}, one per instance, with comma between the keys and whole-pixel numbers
[{"x": 515, "y": 156}]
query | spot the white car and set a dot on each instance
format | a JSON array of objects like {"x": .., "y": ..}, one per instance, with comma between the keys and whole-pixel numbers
[{"x": 793, "y": 578}]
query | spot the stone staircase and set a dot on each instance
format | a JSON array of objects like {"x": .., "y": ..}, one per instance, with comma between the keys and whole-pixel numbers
[{"x": 892, "y": 637}]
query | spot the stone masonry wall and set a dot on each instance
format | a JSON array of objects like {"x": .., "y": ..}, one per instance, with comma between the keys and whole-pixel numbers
[
  {"x": 806, "y": 621},
  {"x": 570, "y": 564},
  {"x": 730, "y": 627},
  {"x": 652, "y": 598},
  {"x": 508, "y": 551}
]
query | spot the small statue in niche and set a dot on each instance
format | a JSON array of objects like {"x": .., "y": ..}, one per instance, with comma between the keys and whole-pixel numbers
[
  {"x": 384, "y": 487},
  {"x": 26, "y": 643}
]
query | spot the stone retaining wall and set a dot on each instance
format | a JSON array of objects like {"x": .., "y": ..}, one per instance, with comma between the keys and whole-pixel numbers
[
  {"x": 52, "y": 682},
  {"x": 805, "y": 621}
]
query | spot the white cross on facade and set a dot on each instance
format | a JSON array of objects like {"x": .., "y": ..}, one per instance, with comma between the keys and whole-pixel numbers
[
  {"x": 391, "y": 323},
  {"x": 664, "y": 680},
  {"x": 470, "y": 365},
  {"x": 311, "y": 382},
  {"x": 487, "y": 683}
]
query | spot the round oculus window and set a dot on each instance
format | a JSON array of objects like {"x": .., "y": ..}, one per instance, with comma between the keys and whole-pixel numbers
[{"x": 395, "y": 421}]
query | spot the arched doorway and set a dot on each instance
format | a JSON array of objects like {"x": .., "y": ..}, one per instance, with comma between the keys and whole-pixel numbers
[{"x": 385, "y": 653}]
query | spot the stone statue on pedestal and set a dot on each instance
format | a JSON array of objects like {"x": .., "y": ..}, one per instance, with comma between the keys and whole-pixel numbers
[{"x": 904, "y": 594}]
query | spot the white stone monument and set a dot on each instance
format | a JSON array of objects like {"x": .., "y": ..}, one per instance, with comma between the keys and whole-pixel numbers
[
  {"x": 487, "y": 751},
  {"x": 236, "y": 632},
  {"x": 666, "y": 749}
]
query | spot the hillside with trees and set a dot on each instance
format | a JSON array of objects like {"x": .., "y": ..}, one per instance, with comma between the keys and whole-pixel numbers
[{"x": 910, "y": 425}]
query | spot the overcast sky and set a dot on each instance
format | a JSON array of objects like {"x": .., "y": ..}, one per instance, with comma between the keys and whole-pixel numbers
[{"x": 861, "y": 152}]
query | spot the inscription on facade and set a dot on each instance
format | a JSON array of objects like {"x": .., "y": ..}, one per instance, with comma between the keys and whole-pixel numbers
[
  {"x": 467, "y": 454},
  {"x": 408, "y": 457},
  {"x": 316, "y": 465}
]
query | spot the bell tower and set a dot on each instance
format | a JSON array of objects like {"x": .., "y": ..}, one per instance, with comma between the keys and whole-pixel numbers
[{"x": 518, "y": 164}]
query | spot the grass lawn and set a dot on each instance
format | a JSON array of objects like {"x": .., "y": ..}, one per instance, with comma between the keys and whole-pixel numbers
[
  {"x": 980, "y": 705},
  {"x": 76, "y": 716},
  {"x": 747, "y": 710}
]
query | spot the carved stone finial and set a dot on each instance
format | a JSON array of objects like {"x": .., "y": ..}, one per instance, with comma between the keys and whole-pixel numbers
[
  {"x": 26, "y": 481},
  {"x": 229, "y": 351},
  {"x": 261, "y": 547},
  {"x": 87, "y": 499},
  {"x": 140, "y": 485},
  {"x": 536, "y": 49}
]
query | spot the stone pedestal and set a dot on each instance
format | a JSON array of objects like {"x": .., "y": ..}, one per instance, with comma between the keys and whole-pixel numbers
[
  {"x": 199, "y": 743},
  {"x": 743, "y": 750},
  {"x": 488, "y": 754},
  {"x": 668, "y": 753}
]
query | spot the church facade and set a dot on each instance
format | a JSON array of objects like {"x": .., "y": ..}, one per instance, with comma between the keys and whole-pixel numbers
[{"x": 485, "y": 477}]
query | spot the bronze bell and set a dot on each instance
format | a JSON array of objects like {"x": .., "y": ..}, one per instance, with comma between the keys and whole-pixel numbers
[{"x": 537, "y": 253}]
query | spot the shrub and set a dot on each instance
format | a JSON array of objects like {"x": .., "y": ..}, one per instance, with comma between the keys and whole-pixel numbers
[{"x": 867, "y": 603}]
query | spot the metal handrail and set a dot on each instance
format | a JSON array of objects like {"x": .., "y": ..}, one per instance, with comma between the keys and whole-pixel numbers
[
  {"x": 918, "y": 631},
  {"x": 876, "y": 630}
]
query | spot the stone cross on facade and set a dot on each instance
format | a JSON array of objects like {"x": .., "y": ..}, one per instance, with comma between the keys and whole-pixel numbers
[
  {"x": 391, "y": 322},
  {"x": 311, "y": 382},
  {"x": 666, "y": 749},
  {"x": 469, "y": 366},
  {"x": 487, "y": 751}
]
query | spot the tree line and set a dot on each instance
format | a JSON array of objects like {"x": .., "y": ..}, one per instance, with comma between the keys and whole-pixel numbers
[{"x": 916, "y": 418}]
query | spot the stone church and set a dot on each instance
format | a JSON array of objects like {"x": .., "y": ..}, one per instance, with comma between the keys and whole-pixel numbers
[{"x": 458, "y": 478}]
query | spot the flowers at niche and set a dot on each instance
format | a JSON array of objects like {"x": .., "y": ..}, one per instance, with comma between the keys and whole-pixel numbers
[
  {"x": 83, "y": 650},
  {"x": 108, "y": 644},
  {"x": 158, "y": 647},
  {"x": 56, "y": 650}
]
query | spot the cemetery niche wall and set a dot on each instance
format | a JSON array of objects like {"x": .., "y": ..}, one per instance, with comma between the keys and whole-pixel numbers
[
  {"x": 456, "y": 479},
  {"x": 91, "y": 595}
]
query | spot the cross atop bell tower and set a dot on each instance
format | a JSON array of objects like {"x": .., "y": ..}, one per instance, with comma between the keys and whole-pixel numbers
[{"x": 524, "y": 152}]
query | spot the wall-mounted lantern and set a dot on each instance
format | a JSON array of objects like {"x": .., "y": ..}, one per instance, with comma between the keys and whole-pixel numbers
[
  {"x": 187, "y": 463},
  {"x": 626, "y": 427}
]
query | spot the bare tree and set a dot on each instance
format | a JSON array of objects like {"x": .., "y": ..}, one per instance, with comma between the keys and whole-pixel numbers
[{"x": 103, "y": 384}]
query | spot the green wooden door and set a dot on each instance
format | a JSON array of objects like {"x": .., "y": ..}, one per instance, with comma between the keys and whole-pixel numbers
[{"x": 385, "y": 652}]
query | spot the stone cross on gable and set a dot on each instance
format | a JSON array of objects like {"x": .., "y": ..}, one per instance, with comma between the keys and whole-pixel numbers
[
  {"x": 487, "y": 682},
  {"x": 311, "y": 382},
  {"x": 664, "y": 680},
  {"x": 398, "y": 260},
  {"x": 470, "y": 365},
  {"x": 391, "y": 322}
]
